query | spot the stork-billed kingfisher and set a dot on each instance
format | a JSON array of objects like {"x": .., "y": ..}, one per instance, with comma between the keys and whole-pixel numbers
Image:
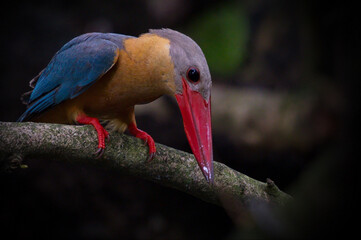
[{"x": 102, "y": 76}]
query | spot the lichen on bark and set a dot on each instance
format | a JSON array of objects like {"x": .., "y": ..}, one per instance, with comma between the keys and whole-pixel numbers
[{"x": 170, "y": 167}]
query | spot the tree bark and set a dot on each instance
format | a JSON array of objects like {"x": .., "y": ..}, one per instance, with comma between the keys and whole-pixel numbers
[{"x": 170, "y": 167}]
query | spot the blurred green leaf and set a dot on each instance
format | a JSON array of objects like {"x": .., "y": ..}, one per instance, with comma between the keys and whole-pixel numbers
[{"x": 222, "y": 33}]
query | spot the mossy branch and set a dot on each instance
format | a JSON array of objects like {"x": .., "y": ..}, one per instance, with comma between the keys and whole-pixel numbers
[{"x": 170, "y": 167}]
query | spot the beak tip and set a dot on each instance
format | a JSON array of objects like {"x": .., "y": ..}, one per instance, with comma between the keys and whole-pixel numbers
[
  {"x": 208, "y": 174},
  {"x": 210, "y": 180}
]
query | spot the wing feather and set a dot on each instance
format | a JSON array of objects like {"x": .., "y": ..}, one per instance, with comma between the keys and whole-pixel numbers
[{"x": 73, "y": 69}]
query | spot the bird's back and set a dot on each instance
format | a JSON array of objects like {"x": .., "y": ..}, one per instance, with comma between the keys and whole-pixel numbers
[
  {"x": 102, "y": 75},
  {"x": 72, "y": 70}
]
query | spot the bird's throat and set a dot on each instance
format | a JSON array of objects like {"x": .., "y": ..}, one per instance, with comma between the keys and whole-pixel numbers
[{"x": 150, "y": 64}]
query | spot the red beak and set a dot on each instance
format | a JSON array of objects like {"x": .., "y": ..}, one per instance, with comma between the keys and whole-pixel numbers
[{"x": 196, "y": 113}]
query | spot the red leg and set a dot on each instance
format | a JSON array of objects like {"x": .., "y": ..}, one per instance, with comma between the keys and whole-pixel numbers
[
  {"x": 102, "y": 133},
  {"x": 144, "y": 136}
]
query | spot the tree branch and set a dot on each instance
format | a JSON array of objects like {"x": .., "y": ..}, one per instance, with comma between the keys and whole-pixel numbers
[{"x": 170, "y": 167}]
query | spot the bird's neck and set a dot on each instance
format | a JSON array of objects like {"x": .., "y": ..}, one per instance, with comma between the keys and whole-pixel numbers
[{"x": 152, "y": 66}]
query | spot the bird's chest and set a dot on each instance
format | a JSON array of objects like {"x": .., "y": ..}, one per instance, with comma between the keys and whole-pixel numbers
[
  {"x": 120, "y": 90},
  {"x": 132, "y": 87}
]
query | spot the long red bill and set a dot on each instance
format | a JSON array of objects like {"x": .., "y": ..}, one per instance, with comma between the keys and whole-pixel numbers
[{"x": 196, "y": 113}]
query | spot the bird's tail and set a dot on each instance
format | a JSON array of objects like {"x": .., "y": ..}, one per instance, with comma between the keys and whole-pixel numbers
[{"x": 38, "y": 106}]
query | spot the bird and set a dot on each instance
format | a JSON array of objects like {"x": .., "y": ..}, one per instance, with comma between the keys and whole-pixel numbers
[{"x": 99, "y": 77}]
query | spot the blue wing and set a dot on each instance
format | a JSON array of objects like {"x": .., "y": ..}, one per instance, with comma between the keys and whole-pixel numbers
[{"x": 73, "y": 69}]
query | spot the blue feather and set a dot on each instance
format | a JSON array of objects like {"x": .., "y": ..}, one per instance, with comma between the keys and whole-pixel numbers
[
  {"x": 73, "y": 69},
  {"x": 38, "y": 106}
]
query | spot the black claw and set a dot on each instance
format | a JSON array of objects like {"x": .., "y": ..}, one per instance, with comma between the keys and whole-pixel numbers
[
  {"x": 99, "y": 153},
  {"x": 107, "y": 138},
  {"x": 150, "y": 157}
]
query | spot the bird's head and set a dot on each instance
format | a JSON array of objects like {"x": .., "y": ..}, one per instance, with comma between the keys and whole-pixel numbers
[{"x": 193, "y": 94}]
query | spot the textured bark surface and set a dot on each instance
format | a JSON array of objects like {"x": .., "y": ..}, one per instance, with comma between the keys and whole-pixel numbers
[{"x": 170, "y": 167}]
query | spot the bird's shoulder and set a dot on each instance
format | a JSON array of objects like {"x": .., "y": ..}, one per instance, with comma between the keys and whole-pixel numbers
[{"x": 89, "y": 38}]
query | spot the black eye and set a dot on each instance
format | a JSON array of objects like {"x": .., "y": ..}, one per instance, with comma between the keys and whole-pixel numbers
[{"x": 193, "y": 74}]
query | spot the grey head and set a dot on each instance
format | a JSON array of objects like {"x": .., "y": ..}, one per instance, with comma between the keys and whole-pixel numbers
[{"x": 186, "y": 54}]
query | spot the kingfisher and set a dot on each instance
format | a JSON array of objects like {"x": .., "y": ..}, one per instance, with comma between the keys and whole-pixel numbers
[{"x": 99, "y": 77}]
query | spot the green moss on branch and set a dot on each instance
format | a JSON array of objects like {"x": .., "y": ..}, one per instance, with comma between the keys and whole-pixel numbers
[{"x": 170, "y": 167}]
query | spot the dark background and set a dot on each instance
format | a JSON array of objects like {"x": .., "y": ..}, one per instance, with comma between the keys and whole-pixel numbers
[{"x": 290, "y": 71}]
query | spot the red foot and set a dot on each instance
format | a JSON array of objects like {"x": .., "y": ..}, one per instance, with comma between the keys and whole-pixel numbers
[
  {"x": 102, "y": 133},
  {"x": 144, "y": 136}
]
